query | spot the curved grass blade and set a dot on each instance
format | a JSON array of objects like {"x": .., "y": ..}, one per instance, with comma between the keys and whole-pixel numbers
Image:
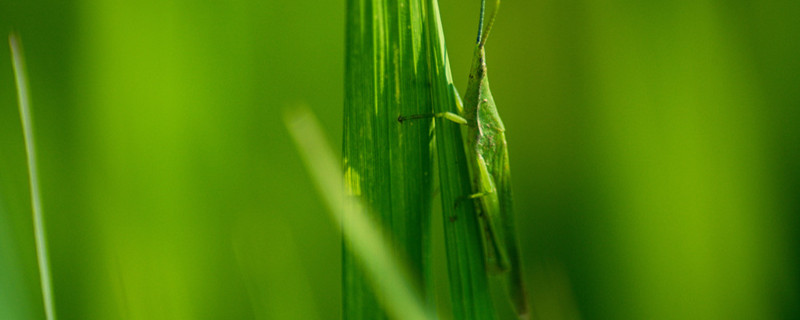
[
  {"x": 42, "y": 256},
  {"x": 469, "y": 281}
]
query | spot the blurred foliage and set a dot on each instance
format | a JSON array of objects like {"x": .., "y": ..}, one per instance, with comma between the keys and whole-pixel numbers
[{"x": 655, "y": 148}]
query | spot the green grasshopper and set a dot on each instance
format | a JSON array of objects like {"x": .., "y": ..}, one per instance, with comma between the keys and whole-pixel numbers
[{"x": 484, "y": 139}]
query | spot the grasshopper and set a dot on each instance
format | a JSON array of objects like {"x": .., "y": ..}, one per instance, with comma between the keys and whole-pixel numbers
[{"x": 485, "y": 145}]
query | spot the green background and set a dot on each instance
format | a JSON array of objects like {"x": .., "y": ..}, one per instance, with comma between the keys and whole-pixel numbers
[{"x": 655, "y": 152}]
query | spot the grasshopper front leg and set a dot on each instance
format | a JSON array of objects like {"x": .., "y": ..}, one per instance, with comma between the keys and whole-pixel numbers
[
  {"x": 446, "y": 115},
  {"x": 454, "y": 117}
]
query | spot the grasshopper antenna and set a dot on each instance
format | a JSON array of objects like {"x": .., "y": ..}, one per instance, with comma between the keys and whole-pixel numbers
[
  {"x": 483, "y": 33},
  {"x": 480, "y": 22}
]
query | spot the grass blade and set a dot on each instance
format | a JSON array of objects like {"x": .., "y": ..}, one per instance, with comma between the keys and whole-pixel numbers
[
  {"x": 388, "y": 165},
  {"x": 20, "y": 74},
  {"x": 361, "y": 233}
]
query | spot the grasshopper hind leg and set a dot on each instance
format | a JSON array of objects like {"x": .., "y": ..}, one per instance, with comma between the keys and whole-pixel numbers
[{"x": 497, "y": 260}]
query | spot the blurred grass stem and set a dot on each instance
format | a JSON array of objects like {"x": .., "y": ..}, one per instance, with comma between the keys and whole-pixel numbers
[
  {"x": 365, "y": 237},
  {"x": 20, "y": 74}
]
